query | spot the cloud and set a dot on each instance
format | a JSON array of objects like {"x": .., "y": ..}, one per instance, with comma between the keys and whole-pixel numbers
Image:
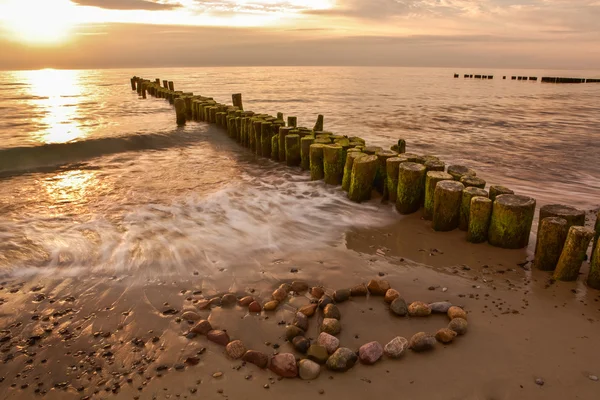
[{"x": 128, "y": 4}]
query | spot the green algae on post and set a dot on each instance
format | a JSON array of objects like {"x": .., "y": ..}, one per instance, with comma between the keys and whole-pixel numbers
[
  {"x": 171, "y": 86},
  {"x": 305, "y": 144},
  {"x": 317, "y": 171},
  {"x": 593, "y": 279},
  {"x": 275, "y": 148},
  {"x": 431, "y": 180},
  {"x": 480, "y": 214},
  {"x": 597, "y": 229},
  {"x": 497, "y": 190},
  {"x": 465, "y": 205},
  {"x": 350, "y": 157},
  {"x": 319, "y": 124},
  {"x": 392, "y": 166},
  {"x": 180, "y": 111},
  {"x": 237, "y": 100},
  {"x": 573, "y": 253},
  {"x": 446, "y": 205},
  {"x": 257, "y": 127},
  {"x": 411, "y": 185},
  {"x": 572, "y": 215},
  {"x": 283, "y": 132},
  {"x": 333, "y": 164},
  {"x": 435, "y": 165},
  {"x": 292, "y": 150},
  {"x": 372, "y": 150},
  {"x": 458, "y": 171},
  {"x": 361, "y": 180},
  {"x": 265, "y": 139},
  {"x": 292, "y": 121},
  {"x": 473, "y": 181},
  {"x": 381, "y": 175},
  {"x": 512, "y": 217},
  {"x": 550, "y": 242}
]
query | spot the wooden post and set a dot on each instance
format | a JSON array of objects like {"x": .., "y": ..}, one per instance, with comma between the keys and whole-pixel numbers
[
  {"x": 133, "y": 84},
  {"x": 305, "y": 144},
  {"x": 446, "y": 205},
  {"x": 292, "y": 121},
  {"x": 283, "y": 132},
  {"x": 348, "y": 165},
  {"x": 411, "y": 183},
  {"x": 458, "y": 171},
  {"x": 319, "y": 124},
  {"x": 597, "y": 235},
  {"x": 431, "y": 180},
  {"x": 496, "y": 190},
  {"x": 180, "y": 111},
  {"x": 265, "y": 139},
  {"x": 292, "y": 150},
  {"x": 593, "y": 279},
  {"x": 171, "y": 86},
  {"x": 480, "y": 214},
  {"x": 573, "y": 253},
  {"x": 572, "y": 215},
  {"x": 361, "y": 180},
  {"x": 237, "y": 100},
  {"x": 392, "y": 166},
  {"x": 512, "y": 217},
  {"x": 333, "y": 164},
  {"x": 465, "y": 205},
  {"x": 550, "y": 242}
]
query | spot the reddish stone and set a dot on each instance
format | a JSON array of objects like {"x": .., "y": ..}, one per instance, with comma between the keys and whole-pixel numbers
[
  {"x": 261, "y": 360},
  {"x": 202, "y": 327},
  {"x": 284, "y": 364},
  {"x": 218, "y": 337},
  {"x": 255, "y": 307}
]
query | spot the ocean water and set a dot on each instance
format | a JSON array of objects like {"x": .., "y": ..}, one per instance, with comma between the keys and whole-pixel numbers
[{"x": 96, "y": 180}]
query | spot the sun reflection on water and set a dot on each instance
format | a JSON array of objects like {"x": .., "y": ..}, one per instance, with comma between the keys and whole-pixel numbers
[{"x": 73, "y": 188}]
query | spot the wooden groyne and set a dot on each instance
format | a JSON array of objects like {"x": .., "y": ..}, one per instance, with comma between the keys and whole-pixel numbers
[
  {"x": 544, "y": 79},
  {"x": 451, "y": 197}
]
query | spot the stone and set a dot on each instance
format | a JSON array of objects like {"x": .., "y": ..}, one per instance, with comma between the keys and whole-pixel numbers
[
  {"x": 254, "y": 307},
  {"x": 280, "y": 295},
  {"x": 332, "y": 311},
  {"x": 396, "y": 347},
  {"x": 301, "y": 321},
  {"x": 271, "y": 305},
  {"x": 391, "y": 295},
  {"x": 330, "y": 342},
  {"x": 359, "y": 290},
  {"x": 317, "y": 353},
  {"x": 342, "y": 360},
  {"x": 419, "y": 309},
  {"x": 458, "y": 325},
  {"x": 284, "y": 364},
  {"x": 331, "y": 326},
  {"x": 291, "y": 331},
  {"x": 228, "y": 300},
  {"x": 421, "y": 342},
  {"x": 445, "y": 335},
  {"x": 299, "y": 286},
  {"x": 285, "y": 287},
  {"x": 261, "y": 360},
  {"x": 245, "y": 301},
  {"x": 301, "y": 344},
  {"x": 457, "y": 312},
  {"x": 370, "y": 353},
  {"x": 341, "y": 295},
  {"x": 317, "y": 292},
  {"x": 218, "y": 337},
  {"x": 308, "y": 370},
  {"x": 191, "y": 316},
  {"x": 216, "y": 302},
  {"x": 324, "y": 301},
  {"x": 203, "y": 304},
  {"x": 309, "y": 310},
  {"x": 235, "y": 349},
  {"x": 202, "y": 327},
  {"x": 378, "y": 287},
  {"x": 440, "y": 307},
  {"x": 399, "y": 307}
]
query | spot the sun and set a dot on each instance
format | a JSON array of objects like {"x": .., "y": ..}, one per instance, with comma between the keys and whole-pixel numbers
[{"x": 37, "y": 22}]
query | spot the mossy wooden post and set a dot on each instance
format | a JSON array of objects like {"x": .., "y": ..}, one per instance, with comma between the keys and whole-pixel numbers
[
  {"x": 392, "y": 166},
  {"x": 550, "y": 242},
  {"x": 333, "y": 164},
  {"x": 381, "y": 175},
  {"x": 458, "y": 171},
  {"x": 275, "y": 148},
  {"x": 446, "y": 205},
  {"x": 593, "y": 279},
  {"x": 473, "y": 181},
  {"x": 292, "y": 121},
  {"x": 317, "y": 171},
  {"x": 512, "y": 217},
  {"x": 573, "y": 253},
  {"x": 305, "y": 144},
  {"x": 597, "y": 235},
  {"x": 435, "y": 165},
  {"x": 362, "y": 177},
  {"x": 411, "y": 187},
  {"x": 237, "y": 100},
  {"x": 480, "y": 214},
  {"x": 497, "y": 190},
  {"x": 431, "y": 180},
  {"x": 143, "y": 90},
  {"x": 465, "y": 205},
  {"x": 171, "y": 86},
  {"x": 371, "y": 150},
  {"x": 292, "y": 150},
  {"x": 573, "y": 216},
  {"x": 319, "y": 124},
  {"x": 401, "y": 146},
  {"x": 133, "y": 87},
  {"x": 283, "y": 132},
  {"x": 165, "y": 84},
  {"x": 350, "y": 157},
  {"x": 265, "y": 139},
  {"x": 257, "y": 126},
  {"x": 180, "y": 111}
]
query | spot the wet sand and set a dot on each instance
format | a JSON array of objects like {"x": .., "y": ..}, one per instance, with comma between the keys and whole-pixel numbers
[{"x": 69, "y": 337}]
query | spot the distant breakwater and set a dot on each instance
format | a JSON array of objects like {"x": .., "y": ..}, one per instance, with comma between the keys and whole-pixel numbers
[{"x": 543, "y": 79}]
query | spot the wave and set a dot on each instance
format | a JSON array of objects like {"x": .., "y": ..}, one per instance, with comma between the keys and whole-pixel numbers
[{"x": 20, "y": 160}]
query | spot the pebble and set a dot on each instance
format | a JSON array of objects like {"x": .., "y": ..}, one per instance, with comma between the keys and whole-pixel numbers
[
  {"x": 271, "y": 305},
  {"x": 421, "y": 342},
  {"x": 285, "y": 287},
  {"x": 301, "y": 321},
  {"x": 261, "y": 360},
  {"x": 308, "y": 310},
  {"x": 235, "y": 349},
  {"x": 378, "y": 287},
  {"x": 359, "y": 290},
  {"x": 301, "y": 344},
  {"x": 391, "y": 295},
  {"x": 202, "y": 327},
  {"x": 539, "y": 381},
  {"x": 218, "y": 337},
  {"x": 396, "y": 347},
  {"x": 228, "y": 300},
  {"x": 457, "y": 312},
  {"x": 291, "y": 331},
  {"x": 445, "y": 335},
  {"x": 284, "y": 364},
  {"x": 342, "y": 360},
  {"x": 332, "y": 311},
  {"x": 399, "y": 307},
  {"x": 192, "y": 360},
  {"x": 308, "y": 369},
  {"x": 370, "y": 353},
  {"x": 246, "y": 301},
  {"x": 341, "y": 295},
  {"x": 440, "y": 307},
  {"x": 593, "y": 377},
  {"x": 458, "y": 325},
  {"x": 203, "y": 304},
  {"x": 324, "y": 300},
  {"x": 419, "y": 309},
  {"x": 216, "y": 302},
  {"x": 217, "y": 375},
  {"x": 280, "y": 295},
  {"x": 330, "y": 342},
  {"x": 317, "y": 353},
  {"x": 331, "y": 326},
  {"x": 255, "y": 307},
  {"x": 317, "y": 292},
  {"x": 299, "y": 286}
]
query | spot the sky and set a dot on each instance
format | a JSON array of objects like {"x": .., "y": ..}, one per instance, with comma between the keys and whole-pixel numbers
[{"x": 553, "y": 34}]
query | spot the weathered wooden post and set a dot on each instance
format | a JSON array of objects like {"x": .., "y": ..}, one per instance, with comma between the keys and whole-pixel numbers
[
  {"x": 237, "y": 100},
  {"x": 381, "y": 175},
  {"x": 573, "y": 253},
  {"x": 180, "y": 111},
  {"x": 265, "y": 139},
  {"x": 550, "y": 242},
  {"x": 361, "y": 180},
  {"x": 319, "y": 124},
  {"x": 458, "y": 171},
  {"x": 435, "y": 165},
  {"x": 473, "y": 181},
  {"x": 593, "y": 279},
  {"x": 333, "y": 164},
  {"x": 275, "y": 148},
  {"x": 133, "y": 84},
  {"x": 392, "y": 166},
  {"x": 431, "y": 180},
  {"x": 165, "y": 83},
  {"x": 400, "y": 147},
  {"x": 465, "y": 205},
  {"x": 512, "y": 217},
  {"x": 597, "y": 235},
  {"x": 317, "y": 171},
  {"x": 292, "y": 150},
  {"x": 497, "y": 190},
  {"x": 572, "y": 215},
  {"x": 411, "y": 185},
  {"x": 171, "y": 86},
  {"x": 144, "y": 85},
  {"x": 348, "y": 165},
  {"x": 257, "y": 127},
  {"x": 480, "y": 214},
  {"x": 292, "y": 121},
  {"x": 446, "y": 205},
  {"x": 283, "y": 132},
  {"x": 305, "y": 144}
]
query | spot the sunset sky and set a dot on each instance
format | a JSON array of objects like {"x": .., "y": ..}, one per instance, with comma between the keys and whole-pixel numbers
[{"x": 153, "y": 33}]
